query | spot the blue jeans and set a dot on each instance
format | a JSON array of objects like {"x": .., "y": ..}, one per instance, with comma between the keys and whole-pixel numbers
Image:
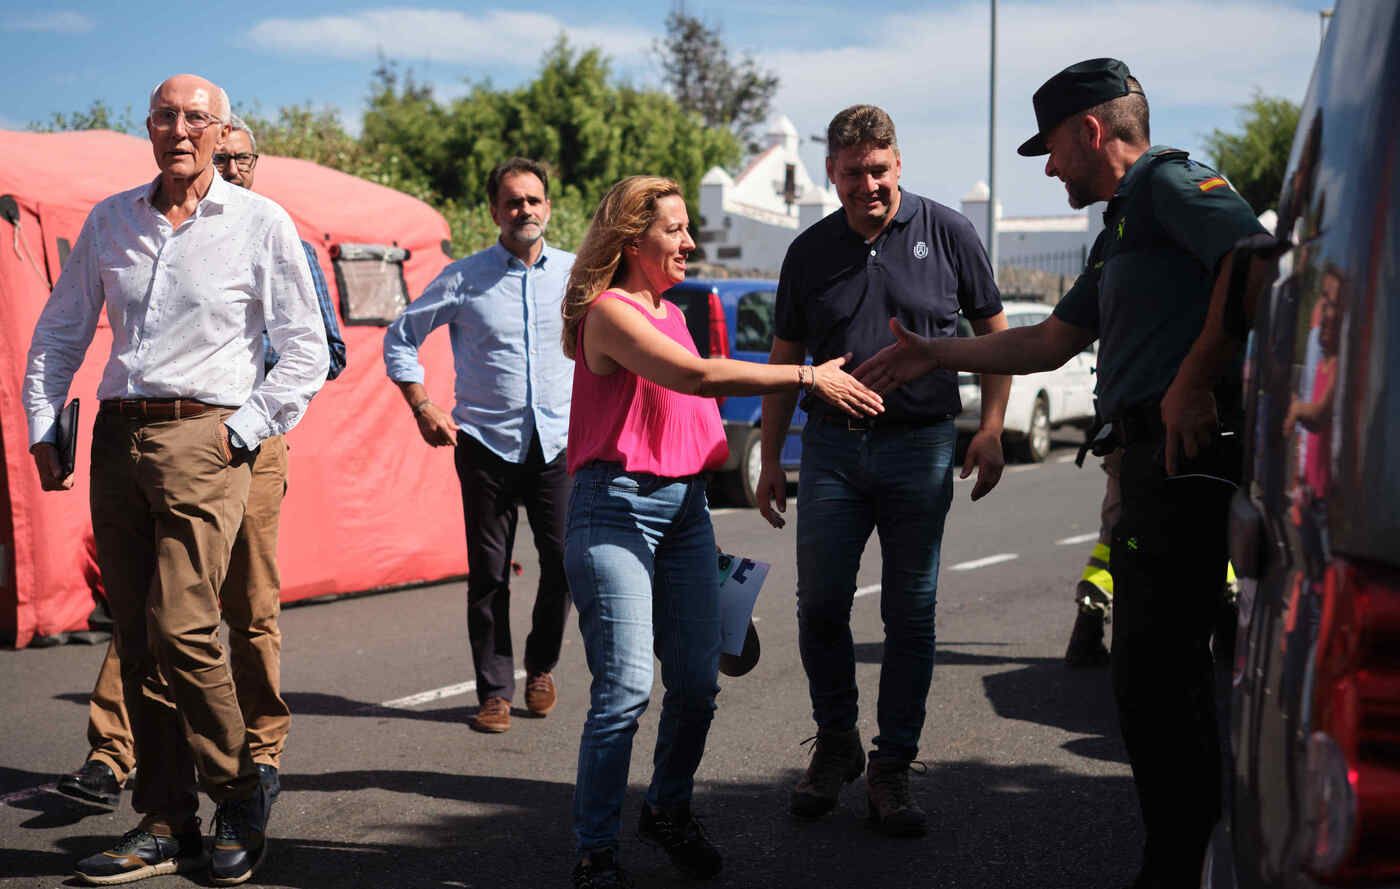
[
  {"x": 639, "y": 555},
  {"x": 898, "y": 481}
]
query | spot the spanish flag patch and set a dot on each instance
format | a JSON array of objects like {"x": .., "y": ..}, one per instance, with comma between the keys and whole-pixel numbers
[{"x": 1215, "y": 182}]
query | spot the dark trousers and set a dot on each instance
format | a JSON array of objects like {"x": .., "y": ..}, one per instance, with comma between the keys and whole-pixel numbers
[
  {"x": 1168, "y": 563},
  {"x": 492, "y": 491}
]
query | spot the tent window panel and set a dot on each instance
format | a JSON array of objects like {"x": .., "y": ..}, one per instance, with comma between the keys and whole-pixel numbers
[{"x": 371, "y": 283}]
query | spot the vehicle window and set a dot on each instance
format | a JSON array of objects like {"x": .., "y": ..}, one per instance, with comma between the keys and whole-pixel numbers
[
  {"x": 696, "y": 306},
  {"x": 754, "y": 322},
  {"x": 370, "y": 280}
]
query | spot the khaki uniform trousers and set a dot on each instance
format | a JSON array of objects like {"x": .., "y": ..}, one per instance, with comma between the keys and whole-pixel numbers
[
  {"x": 166, "y": 507},
  {"x": 251, "y": 601}
]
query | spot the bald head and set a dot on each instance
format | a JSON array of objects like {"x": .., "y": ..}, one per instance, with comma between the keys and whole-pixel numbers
[
  {"x": 192, "y": 88},
  {"x": 188, "y": 118}
]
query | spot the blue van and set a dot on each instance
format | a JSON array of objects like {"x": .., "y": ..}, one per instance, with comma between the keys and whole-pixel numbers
[{"x": 733, "y": 318}]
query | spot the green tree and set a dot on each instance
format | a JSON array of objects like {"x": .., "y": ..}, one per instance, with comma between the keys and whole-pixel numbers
[
  {"x": 1255, "y": 159},
  {"x": 703, "y": 77},
  {"x": 98, "y": 116},
  {"x": 572, "y": 116},
  {"x": 588, "y": 129},
  {"x": 318, "y": 135}
]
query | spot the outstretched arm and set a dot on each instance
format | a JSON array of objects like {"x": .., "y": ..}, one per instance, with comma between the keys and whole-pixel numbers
[
  {"x": 617, "y": 332},
  {"x": 1022, "y": 350}
]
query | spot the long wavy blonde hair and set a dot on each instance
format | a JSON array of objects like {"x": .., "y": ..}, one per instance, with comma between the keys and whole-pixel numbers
[{"x": 626, "y": 211}]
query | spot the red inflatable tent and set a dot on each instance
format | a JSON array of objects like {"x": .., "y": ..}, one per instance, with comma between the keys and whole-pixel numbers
[{"x": 368, "y": 506}]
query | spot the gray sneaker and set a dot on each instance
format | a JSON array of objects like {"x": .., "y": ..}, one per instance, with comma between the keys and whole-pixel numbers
[
  {"x": 891, "y": 807},
  {"x": 837, "y": 758}
]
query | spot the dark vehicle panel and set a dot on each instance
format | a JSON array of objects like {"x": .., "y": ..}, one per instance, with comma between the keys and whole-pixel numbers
[{"x": 1316, "y": 530}]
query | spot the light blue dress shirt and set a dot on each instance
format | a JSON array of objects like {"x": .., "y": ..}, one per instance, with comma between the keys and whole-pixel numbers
[{"x": 504, "y": 322}]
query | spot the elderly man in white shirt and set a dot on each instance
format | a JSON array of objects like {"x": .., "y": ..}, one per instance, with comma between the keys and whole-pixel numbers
[{"x": 191, "y": 271}]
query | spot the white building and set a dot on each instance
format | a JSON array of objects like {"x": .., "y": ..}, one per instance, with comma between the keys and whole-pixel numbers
[
  {"x": 748, "y": 221},
  {"x": 1057, "y": 244}
]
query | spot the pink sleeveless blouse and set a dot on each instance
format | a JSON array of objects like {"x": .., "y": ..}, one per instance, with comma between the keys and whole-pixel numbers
[{"x": 646, "y": 427}]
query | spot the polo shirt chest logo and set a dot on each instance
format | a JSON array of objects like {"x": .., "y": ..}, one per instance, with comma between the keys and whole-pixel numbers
[
  {"x": 921, "y": 250},
  {"x": 1120, "y": 227}
]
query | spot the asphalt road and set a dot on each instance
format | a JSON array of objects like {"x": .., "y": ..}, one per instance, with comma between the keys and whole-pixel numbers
[{"x": 384, "y": 786}]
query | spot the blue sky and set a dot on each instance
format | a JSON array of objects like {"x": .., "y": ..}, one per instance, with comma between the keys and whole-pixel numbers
[{"x": 925, "y": 62}]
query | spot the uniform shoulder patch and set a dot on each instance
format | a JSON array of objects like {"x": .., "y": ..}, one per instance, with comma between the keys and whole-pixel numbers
[{"x": 1212, "y": 183}]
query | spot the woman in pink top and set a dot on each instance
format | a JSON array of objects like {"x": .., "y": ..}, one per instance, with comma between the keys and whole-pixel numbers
[{"x": 640, "y": 550}]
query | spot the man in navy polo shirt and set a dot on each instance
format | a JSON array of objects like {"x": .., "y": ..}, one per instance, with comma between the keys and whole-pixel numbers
[
  {"x": 1170, "y": 230},
  {"x": 886, "y": 253}
]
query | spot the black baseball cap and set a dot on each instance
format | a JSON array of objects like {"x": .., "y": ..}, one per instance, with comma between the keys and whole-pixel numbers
[{"x": 1074, "y": 89}]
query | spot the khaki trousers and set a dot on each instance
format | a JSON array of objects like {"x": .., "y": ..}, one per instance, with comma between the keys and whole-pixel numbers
[
  {"x": 166, "y": 506},
  {"x": 250, "y": 598}
]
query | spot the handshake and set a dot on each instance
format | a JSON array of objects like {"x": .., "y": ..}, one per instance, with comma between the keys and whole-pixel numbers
[{"x": 859, "y": 392}]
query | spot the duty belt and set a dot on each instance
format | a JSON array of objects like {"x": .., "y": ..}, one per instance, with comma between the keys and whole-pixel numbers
[
  {"x": 156, "y": 408},
  {"x": 1141, "y": 422}
]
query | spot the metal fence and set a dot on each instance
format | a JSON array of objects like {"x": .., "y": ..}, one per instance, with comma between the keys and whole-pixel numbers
[{"x": 1042, "y": 276}]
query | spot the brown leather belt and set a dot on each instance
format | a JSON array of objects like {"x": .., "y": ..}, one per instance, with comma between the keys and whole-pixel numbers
[{"x": 156, "y": 408}]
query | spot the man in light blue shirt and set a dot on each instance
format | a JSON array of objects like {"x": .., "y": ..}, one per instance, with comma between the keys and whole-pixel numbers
[{"x": 509, "y": 425}]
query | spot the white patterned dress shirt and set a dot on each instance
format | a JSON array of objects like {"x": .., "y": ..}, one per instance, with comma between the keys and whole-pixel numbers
[{"x": 187, "y": 307}]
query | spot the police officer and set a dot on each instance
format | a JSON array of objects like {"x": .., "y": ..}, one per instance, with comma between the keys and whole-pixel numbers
[{"x": 1170, "y": 224}]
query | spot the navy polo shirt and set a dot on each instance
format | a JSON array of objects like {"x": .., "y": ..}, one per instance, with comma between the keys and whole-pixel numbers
[{"x": 837, "y": 293}]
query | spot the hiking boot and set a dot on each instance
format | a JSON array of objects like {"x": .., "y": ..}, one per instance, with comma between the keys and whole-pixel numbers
[
  {"x": 600, "y": 871},
  {"x": 270, "y": 780},
  {"x": 837, "y": 758},
  {"x": 240, "y": 841},
  {"x": 1086, "y": 648},
  {"x": 95, "y": 782},
  {"x": 492, "y": 717},
  {"x": 890, "y": 806},
  {"x": 681, "y": 836},
  {"x": 140, "y": 854},
  {"x": 540, "y": 693}
]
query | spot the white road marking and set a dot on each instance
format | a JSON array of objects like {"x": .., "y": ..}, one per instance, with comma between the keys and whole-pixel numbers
[
  {"x": 1078, "y": 538},
  {"x": 868, "y": 590},
  {"x": 1067, "y": 458},
  {"x": 423, "y": 697},
  {"x": 436, "y": 694},
  {"x": 729, "y": 510},
  {"x": 983, "y": 562},
  {"x": 1027, "y": 467}
]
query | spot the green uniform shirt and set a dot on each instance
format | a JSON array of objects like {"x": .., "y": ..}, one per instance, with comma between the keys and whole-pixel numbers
[{"x": 1146, "y": 286}]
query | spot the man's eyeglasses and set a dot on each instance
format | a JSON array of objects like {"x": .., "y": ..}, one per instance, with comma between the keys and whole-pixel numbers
[
  {"x": 196, "y": 122},
  {"x": 245, "y": 161}
]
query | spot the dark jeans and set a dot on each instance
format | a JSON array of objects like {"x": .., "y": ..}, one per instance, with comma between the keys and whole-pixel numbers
[
  {"x": 1168, "y": 562},
  {"x": 492, "y": 491},
  {"x": 897, "y": 481}
]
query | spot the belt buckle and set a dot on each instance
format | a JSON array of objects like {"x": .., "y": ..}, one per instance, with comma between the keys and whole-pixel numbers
[{"x": 858, "y": 424}]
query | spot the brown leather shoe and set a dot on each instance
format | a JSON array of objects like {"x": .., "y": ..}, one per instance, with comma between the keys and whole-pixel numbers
[
  {"x": 540, "y": 694},
  {"x": 493, "y": 717}
]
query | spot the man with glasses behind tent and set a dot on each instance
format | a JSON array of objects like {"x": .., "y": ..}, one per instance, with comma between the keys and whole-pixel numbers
[
  {"x": 250, "y": 595},
  {"x": 191, "y": 271}
]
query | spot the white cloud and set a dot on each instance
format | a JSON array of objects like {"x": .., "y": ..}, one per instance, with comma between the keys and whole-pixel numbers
[
  {"x": 1198, "y": 60},
  {"x": 1195, "y": 59},
  {"x": 494, "y": 37},
  {"x": 58, "y": 22}
]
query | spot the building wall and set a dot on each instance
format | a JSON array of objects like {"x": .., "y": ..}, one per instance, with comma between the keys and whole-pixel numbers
[{"x": 741, "y": 242}]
